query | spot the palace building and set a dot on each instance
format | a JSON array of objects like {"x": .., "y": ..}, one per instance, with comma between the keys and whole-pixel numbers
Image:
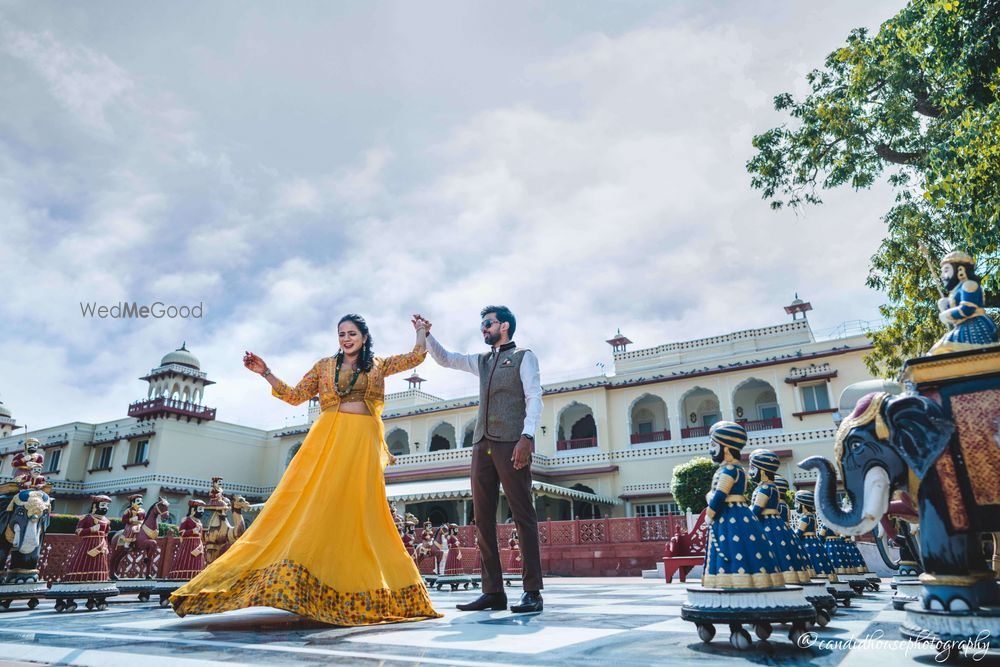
[{"x": 606, "y": 445}]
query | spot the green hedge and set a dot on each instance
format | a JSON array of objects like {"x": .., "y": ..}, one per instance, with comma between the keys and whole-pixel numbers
[
  {"x": 66, "y": 523},
  {"x": 692, "y": 480}
]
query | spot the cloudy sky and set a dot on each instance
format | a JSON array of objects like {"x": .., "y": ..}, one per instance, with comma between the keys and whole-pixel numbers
[{"x": 286, "y": 163}]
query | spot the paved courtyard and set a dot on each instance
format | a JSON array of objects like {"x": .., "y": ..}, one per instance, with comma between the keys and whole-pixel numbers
[{"x": 622, "y": 621}]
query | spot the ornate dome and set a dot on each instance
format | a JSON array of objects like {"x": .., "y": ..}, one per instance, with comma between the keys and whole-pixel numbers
[{"x": 183, "y": 357}]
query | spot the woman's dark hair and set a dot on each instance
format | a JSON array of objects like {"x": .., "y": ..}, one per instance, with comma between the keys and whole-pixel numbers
[
  {"x": 503, "y": 315},
  {"x": 365, "y": 359}
]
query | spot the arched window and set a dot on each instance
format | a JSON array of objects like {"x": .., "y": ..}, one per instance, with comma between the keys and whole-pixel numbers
[
  {"x": 649, "y": 420},
  {"x": 577, "y": 428},
  {"x": 398, "y": 441},
  {"x": 442, "y": 437},
  {"x": 755, "y": 405},
  {"x": 699, "y": 410}
]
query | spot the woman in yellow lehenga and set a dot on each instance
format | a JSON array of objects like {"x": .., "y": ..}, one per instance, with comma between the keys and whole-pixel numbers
[{"x": 325, "y": 545}]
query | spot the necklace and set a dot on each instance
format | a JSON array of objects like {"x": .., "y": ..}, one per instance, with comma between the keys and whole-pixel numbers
[{"x": 336, "y": 378}]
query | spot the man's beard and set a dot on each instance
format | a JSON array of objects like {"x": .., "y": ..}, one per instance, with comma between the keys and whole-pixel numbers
[
  {"x": 953, "y": 281},
  {"x": 101, "y": 511},
  {"x": 491, "y": 339}
]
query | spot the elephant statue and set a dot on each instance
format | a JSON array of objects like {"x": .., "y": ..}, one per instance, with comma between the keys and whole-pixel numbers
[
  {"x": 901, "y": 444},
  {"x": 23, "y": 521}
]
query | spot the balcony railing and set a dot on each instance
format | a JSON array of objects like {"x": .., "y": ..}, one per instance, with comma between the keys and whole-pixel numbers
[
  {"x": 162, "y": 405},
  {"x": 575, "y": 443},
  {"x": 695, "y": 432},
  {"x": 655, "y": 436},
  {"x": 760, "y": 424}
]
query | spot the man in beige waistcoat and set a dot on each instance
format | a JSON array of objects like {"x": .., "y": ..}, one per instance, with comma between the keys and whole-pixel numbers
[{"x": 510, "y": 404}]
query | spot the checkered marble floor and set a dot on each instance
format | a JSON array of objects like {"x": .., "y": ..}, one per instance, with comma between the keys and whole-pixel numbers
[{"x": 607, "y": 621}]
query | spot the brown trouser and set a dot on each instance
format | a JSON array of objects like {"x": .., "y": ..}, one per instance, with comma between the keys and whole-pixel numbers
[{"x": 491, "y": 467}]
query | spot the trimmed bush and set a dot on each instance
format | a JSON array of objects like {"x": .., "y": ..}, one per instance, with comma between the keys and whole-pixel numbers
[
  {"x": 692, "y": 480},
  {"x": 66, "y": 523}
]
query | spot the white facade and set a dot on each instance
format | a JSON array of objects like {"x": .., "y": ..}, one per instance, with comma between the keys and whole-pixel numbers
[{"x": 616, "y": 436}]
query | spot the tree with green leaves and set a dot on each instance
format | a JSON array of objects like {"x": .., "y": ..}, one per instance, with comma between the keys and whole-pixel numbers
[
  {"x": 692, "y": 481},
  {"x": 917, "y": 104}
]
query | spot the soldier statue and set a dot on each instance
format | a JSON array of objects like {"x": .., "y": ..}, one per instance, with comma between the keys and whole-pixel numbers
[
  {"x": 190, "y": 558},
  {"x": 24, "y": 462},
  {"x": 90, "y": 560}
]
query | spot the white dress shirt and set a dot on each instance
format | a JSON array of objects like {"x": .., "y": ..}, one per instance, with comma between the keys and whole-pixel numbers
[{"x": 531, "y": 378}]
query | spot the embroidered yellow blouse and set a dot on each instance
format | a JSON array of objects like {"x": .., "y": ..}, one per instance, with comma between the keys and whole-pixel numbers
[{"x": 320, "y": 381}]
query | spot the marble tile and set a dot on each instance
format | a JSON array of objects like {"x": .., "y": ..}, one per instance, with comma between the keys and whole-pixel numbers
[{"x": 522, "y": 639}]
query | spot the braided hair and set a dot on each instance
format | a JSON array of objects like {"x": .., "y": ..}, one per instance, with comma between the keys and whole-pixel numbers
[{"x": 365, "y": 360}]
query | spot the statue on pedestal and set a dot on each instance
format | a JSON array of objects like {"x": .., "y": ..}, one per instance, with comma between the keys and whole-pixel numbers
[
  {"x": 190, "y": 558},
  {"x": 139, "y": 535},
  {"x": 409, "y": 537},
  {"x": 938, "y": 444},
  {"x": 743, "y": 583},
  {"x": 764, "y": 465},
  {"x": 90, "y": 559},
  {"x": 218, "y": 533},
  {"x": 815, "y": 587},
  {"x": 25, "y": 461},
  {"x": 963, "y": 309},
  {"x": 396, "y": 519},
  {"x": 216, "y": 496},
  {"x": 514, "y": 560},
  {"x": 24, "y": 517},
  {"x": 87, "y": 571}
]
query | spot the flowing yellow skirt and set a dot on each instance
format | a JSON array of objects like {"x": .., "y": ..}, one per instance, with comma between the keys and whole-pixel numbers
[{"x": 324, "y": 545}]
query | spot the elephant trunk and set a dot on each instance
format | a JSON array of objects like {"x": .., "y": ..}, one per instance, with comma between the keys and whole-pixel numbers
[{"x": 865, "y": 511}]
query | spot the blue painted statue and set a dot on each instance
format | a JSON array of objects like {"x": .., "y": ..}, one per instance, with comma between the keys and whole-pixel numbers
[
  {"x": 963, "y": 308},
  {"x": 806, "y": 533},
  {"x": 738, "y": 555},
  {"x": 836, "y": 549},
  {"x": 782, "y": 484},
  {"x": 765, "y": 506}
]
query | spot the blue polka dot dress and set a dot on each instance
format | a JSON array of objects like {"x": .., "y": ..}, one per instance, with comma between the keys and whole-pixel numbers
[
  {"x": 813, "y": 547},
  {"x": 739, "y": 554},
  {"x": 783, "y": 544}
]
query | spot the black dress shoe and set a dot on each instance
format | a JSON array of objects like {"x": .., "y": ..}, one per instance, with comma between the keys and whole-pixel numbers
[
  {"x": 531, "y": 601},
  {"x": 492, "y": 601}
]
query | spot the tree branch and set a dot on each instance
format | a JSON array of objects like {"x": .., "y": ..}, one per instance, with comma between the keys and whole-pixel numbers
[
  {"x": 897, "y": 157},
  {"x": 923, "y": 105}
]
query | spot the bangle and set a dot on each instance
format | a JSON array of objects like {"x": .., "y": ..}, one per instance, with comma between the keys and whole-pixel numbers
[{"x": 267, "y": 371}]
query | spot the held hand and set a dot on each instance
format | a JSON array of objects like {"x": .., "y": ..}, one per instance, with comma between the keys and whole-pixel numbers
[
  {"x": 392, "y": 458},
  {"x": 254, "y": 363},
  {"x": 420, "y": 322},
  {"x": 522, "y": 453}
]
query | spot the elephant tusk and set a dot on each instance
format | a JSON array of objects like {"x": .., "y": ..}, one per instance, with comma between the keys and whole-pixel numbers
[{"x": 877, "y": 491}]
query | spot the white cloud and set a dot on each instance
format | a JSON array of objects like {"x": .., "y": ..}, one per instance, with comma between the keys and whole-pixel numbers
[{"x": 599, "y": 184}]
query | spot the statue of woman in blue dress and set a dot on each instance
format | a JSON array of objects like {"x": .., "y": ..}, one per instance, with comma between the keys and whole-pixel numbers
[
  {"x": 765, "y": 506},
  {"x": 738, "y": 554},
  {"x": 800, "y": 555},
  {"x": 814, "y": 547},
  {"x": 836, "y": 549},
  {"x": 963, "y": 309}
]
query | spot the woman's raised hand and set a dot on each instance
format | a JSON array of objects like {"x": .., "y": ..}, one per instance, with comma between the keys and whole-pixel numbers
[{"x": 254, "y": 363}]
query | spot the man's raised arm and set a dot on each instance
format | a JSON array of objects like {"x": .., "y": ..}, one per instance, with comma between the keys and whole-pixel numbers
[{"x": 463, "y": 362}]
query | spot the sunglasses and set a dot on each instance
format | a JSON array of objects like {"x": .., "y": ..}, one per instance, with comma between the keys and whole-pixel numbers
[{"x": 486, "y": 324}]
